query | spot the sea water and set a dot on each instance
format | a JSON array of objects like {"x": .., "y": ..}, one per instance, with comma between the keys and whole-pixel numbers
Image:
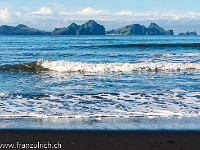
[{"x": 99, "y": 76}]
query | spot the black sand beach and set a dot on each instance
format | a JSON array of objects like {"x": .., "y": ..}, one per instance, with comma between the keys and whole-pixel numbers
[{"x": 106, "y": 140}]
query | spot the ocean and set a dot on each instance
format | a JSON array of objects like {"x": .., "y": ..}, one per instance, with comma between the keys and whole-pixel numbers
[{"x": 95, "y": 77}]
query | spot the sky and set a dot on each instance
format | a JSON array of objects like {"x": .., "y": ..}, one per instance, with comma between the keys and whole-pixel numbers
[{"x": 179, "y": 15}]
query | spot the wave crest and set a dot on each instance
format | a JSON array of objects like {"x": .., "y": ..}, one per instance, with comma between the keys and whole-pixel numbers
[
  {"x": 63, "y": 66},
  {"x": 106, "y": 68}
]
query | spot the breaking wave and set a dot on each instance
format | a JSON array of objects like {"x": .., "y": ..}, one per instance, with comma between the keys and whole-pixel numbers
[{"x": 106, "y": 68}]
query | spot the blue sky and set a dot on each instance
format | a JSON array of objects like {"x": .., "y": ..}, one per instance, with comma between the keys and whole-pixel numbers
[
  {"x": 179, "y": 15},
  {"x": 112, "y": 5}
]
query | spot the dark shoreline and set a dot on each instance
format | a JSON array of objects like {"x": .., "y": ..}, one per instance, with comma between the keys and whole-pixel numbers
[{"x": 107, "y": 140}]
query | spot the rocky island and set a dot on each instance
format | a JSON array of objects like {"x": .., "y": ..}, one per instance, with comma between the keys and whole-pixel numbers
[
  {"x": 137, "y": 29},
  {"x": 91, "y": 27},
  {"x": 188, "y": 33},
  {"x": 21, "y": 30},
  {"x": 88, "y": 28}
]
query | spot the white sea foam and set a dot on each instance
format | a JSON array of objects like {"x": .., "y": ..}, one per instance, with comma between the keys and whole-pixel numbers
[
  {"x": 177, "y": 103},
  {"x": 63, "y": 66}
]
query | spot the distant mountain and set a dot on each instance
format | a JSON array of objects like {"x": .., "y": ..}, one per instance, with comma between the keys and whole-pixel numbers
[
  {"x": 89, "y": 28},
  {"x": 137, "y": 29},
  {"x": 20, "y": 30},
  {"x": 188, "y": 33},
  {"x": 134, "y": 29},
  {"x": 170, "y": 32},
  {"x": 70, "y": 30},
  {"x": 154, "y": 29}
]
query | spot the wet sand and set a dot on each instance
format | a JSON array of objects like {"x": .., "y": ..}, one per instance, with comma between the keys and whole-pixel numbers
[{"x": 106, "y": 140}]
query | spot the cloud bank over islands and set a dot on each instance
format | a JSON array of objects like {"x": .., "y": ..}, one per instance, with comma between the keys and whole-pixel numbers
[{"x": 48, "y": 18}]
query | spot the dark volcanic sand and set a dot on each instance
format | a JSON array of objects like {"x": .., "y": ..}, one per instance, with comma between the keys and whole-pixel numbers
[{"x": 107, "y": 140}]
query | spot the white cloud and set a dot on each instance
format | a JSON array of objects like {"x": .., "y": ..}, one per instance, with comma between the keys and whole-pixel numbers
[
  {"x": 18, "y": 14},
  {"x": 42, "y": 11},
  {"x": 65, "y": 13},
  {"x": 5, "y": 15},
  {"x": 125, "y": 13},
  {"x": 88, "y": 11},
  {"x": 156, "y": 16}
]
